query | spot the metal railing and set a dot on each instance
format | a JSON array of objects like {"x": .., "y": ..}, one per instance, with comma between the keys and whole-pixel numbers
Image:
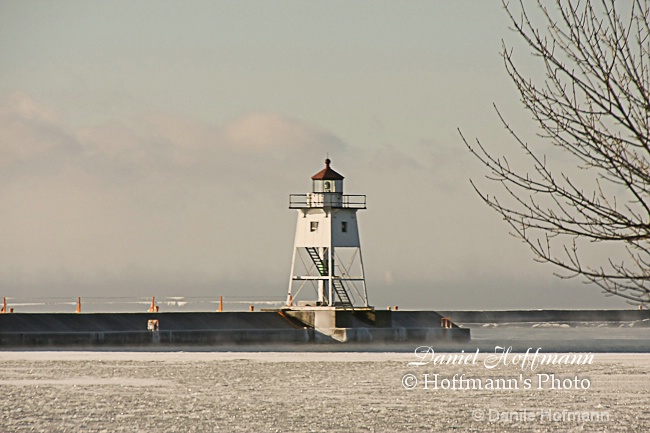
[
  {"x": 327, "y": 199},
  {"x": 133, "y": 304}
]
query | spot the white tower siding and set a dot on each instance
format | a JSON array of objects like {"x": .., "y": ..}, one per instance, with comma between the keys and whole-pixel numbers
[
  {"x": 349, "y": 238},
  {"x": 329, "y": 230}
]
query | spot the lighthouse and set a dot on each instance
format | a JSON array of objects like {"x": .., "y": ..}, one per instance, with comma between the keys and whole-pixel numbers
[{"x": 327, "y": 266}]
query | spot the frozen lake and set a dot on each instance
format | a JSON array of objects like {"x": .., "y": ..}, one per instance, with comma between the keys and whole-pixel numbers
[{"x": 298, "y": 391}]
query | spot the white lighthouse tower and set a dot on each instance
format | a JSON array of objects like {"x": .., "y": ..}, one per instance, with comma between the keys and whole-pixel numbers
[{"x": 327, "y": 258}]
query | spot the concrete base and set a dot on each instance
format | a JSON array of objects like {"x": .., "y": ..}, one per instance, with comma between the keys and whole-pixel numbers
[
  {"x": 391, "y": 335},
  {"x": 370, "y": 325}
]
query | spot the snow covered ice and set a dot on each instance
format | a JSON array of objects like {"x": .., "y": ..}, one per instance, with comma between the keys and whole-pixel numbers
[{"x": 302, "y": 392}]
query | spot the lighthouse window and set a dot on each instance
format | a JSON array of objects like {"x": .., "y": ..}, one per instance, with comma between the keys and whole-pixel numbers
[
  {"x": 344, "y": 226},
  {"x": 313, "y": 226}
]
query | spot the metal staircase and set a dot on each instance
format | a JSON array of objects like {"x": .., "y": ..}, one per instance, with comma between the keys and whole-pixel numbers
[{"x": 337, "y": 284}]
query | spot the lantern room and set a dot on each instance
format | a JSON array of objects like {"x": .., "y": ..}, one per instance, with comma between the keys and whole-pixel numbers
[{"x": 327, "y": 180}]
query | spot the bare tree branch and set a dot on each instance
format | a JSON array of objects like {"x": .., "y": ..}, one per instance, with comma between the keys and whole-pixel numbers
[{"x": 593, "y": 104}]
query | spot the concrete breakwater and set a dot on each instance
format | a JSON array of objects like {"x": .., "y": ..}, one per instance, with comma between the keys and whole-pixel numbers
[
  {"x": 557, "y": 330},
  {"x": 549, "y": 316},
  {"x": 264, "y": 327}
]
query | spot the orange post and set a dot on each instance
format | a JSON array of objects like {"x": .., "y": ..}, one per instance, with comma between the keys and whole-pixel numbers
[
  {"x": 251, "y": 308},
  {"x": 4, "y": 305},
  {"x": 290, "y": 301},
  {"x": 79, "y": 304},
  {"x": 152, "y": 308},
  {"x": 220, "y": 309}
]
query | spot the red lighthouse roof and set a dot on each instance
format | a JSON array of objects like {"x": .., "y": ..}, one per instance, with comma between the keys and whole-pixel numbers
[{"x": 327, "y": 173}]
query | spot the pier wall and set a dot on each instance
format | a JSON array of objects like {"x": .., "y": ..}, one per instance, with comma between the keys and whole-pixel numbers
[
  {"x": 548, "y": 316},
  {"x": 264, "y": 327}
]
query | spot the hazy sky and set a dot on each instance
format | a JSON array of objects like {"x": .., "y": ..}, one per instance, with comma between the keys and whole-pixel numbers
[{"x": 150, "y": 147}]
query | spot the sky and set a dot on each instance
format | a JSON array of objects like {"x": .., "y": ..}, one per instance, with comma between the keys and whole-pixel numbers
[{"x": 149, "y": 148}]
